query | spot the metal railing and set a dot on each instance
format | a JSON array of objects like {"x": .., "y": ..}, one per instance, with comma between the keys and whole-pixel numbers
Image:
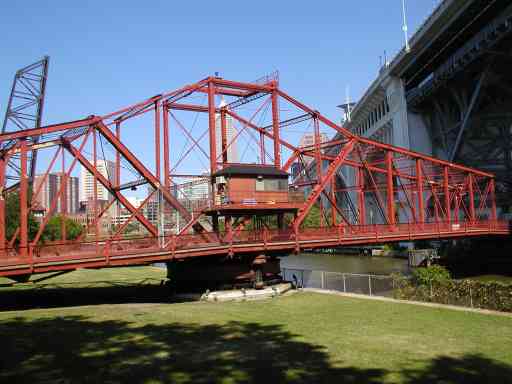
[
  {"x": 128, "y": 250},
  {"x": 251, "y": 197},
  {"x": 364, "y": 284}
]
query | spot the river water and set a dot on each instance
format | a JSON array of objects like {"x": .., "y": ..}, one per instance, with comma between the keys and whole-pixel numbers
[
  {"x": 345, "y": 263},
  {"x": 338, "y": 262}
]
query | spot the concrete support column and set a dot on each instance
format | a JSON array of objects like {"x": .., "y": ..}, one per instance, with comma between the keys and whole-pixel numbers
[{"x": 395, "y": 93}]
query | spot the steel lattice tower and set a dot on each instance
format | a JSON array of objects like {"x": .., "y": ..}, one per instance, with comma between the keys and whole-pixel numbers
[{"x": 25, "y": 109}]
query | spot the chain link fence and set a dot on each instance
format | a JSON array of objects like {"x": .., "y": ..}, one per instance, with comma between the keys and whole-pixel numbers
[
  {"x": 365, "y": 284},
  {"x": 463, "y": 293}
]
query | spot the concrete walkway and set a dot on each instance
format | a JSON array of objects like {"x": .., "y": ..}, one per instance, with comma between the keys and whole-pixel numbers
[{"x": 421, "y": 303}]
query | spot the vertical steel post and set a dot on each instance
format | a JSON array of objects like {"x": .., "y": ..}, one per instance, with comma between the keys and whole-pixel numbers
[
  {"x": 229, "y": 229},
  {"x": 361, "y": 196},
  {"x": 492, "y": 193},
  {"x": 436, "y": 206},
  {"x": 167, "y": 170},
  {"x": 157, "y": 141},
  {"x": 161, "y": 220},
  {"x": 95, "y": 189},
  {"x": 419, "y": 187},
  {"x": 63, "y": 199},
  {"x": 223, "y": 131},
  {"x": 211, "y": 127},
  {"x": 118, "y": 157},
  {"x": 471, "y": 196},
  {"x": 213, "y": 149},
  {"x": 318, "y": 153},
  {"x": 456, "y": 208},
  {"x": 446, "y": 190},
  {"x": 23, "y": 198},
  {"x": 318, "y": 163},
  {"x": 2, "y": 206},
  {"x": 275, "y": 128},
  {"x": 262, "y": 148},
  {"x": 166, "y": 148},
  {"x": 118, "y": 167},
  {"x": 333, "y": 201},
  {"x": 390, "y": 188}
]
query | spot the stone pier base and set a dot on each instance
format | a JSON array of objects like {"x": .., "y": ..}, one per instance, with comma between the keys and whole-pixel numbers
[{"x": 214, "y": 273}]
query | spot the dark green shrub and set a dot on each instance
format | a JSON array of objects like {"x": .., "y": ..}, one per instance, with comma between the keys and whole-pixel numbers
[
  {"x": 437, "y": 288},
  {"x": 430, "y": 275}
]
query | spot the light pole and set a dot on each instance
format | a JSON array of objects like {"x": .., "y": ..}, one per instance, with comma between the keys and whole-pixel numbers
[{"x": 404, "y": 28}]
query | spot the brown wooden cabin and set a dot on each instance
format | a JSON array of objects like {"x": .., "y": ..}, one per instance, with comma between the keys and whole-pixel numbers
[{"x": 246, "y": 187}]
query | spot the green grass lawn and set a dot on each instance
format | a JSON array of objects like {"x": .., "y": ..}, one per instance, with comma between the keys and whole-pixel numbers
[
  {"x": 300, "y": 338},
  {"x": 85, "y": 286},
  {"x": 88, "y": 277}
]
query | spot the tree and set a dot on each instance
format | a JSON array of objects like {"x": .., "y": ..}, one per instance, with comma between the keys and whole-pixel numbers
[
  {"x": 12, "y": 217},
  {"x": 312, "y": 219},
  {"x": 52, "y": 230},
  {"x": 432, "y": 274}
]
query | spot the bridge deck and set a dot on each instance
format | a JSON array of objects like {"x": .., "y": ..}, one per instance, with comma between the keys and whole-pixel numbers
[{"x": 59, "y": 256}]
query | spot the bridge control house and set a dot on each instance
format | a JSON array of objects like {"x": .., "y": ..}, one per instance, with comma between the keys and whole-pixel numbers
[
  {"x": 246, "y": 199},
  {"x": 241, "y": 189}
]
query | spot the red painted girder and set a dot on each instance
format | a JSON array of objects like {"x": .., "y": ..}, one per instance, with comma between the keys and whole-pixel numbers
[
  {"x": 228, "y": 92},
  {"x": 189, "y": 107},
  {"x": 139, "y": 167},
  {"x": 48, "y": 129},
  {"x": 106, "y": 183},
  {"x": 323, "y": 145},
  {"x": 189, "y": 135},
  {"x": 309, "y": 238},
  {"x": 345, "y": 132},
  {"x": 317, "y": 190},
  {"x": 290, "y": 161},
  {"x": 240, "y": 85},
  {"x": 261, "y": 130},
  {"x": 135, "y": 109}
]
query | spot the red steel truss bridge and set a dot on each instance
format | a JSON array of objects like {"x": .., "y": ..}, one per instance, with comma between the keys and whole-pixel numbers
[{"x": 172, "y": 146}]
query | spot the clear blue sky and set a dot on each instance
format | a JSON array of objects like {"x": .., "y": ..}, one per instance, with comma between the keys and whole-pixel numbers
[{"x": 108, "y": 54}]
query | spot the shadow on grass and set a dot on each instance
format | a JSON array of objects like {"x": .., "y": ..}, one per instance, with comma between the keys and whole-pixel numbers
[
  {"x": 68, "y": 296},
  {"x": 74, "y": 349},
  {"x": 470, "y": 369}
]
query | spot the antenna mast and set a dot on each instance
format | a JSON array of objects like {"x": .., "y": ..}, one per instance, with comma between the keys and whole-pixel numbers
[
  {"x": 347, "y": 95},
  {"x": 404, "y": 28}
]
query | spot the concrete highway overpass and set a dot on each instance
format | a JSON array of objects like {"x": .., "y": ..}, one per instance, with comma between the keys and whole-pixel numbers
[{"x": 450, "y": 95}]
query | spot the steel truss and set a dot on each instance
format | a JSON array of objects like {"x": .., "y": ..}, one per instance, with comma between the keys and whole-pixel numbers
[
  {"x": 25, "y": 111},
  {"x": 417, "y": 196}
]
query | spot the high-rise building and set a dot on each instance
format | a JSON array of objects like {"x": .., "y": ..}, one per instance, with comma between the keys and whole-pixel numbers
[
  {"x": 47, "y": 189},
  {"x": 105, "y": 168},
  {"x": 122, "y": 214},
  {"x": 231, "y": 141},
  {"x": 195, "y": 189}
]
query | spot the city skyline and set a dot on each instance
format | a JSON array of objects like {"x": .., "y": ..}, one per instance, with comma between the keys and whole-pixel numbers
[
  {"x": 46, "y": 188},
  {"x": 107, "y": 169}
]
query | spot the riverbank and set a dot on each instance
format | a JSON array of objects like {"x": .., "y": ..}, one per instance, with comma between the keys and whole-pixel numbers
[
  {"x": 302, "y": 338},
  {"x": 345, "y": 263},
  {"x": 480, "y": 269}
]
